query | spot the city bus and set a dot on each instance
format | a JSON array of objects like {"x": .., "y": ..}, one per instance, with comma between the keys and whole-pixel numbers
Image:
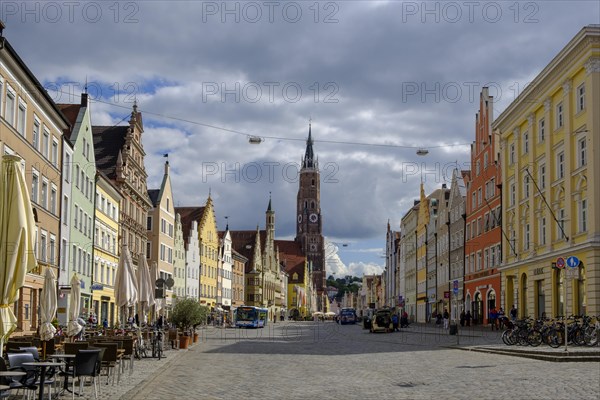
[{"x": 251, "y": 317}]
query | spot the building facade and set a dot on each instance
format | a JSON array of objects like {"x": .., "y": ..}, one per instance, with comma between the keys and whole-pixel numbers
[
  {"x": 81, "y": 200},
  {"x": 179, "y": 259},
  {"x": 190, "y": 217},
  {"x": 31, "y": 126},
  {"x": 237, "y": 279},
  {"x": 483, "y": 224},
  {"x": 106, "y": 251},
  {"x": 391, "y": 267},
  {"x": 225, "y": 270},
  {"x": 457, "y": 217},
  {"x": 160, "y": 246},
  {"x": 421, "y": 235},
  {"x": 550, "y": 139},
  {"x": 120, "y": 156},
  {"x": 408, "y": 259},
  {"x": 208, "y": 237}
]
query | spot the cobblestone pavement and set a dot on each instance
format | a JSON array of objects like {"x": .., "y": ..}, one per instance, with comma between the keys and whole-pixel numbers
[{"x": 302, "y": 360}]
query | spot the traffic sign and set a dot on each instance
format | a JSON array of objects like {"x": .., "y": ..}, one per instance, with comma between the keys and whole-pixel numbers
[
  {"x": 455, "y": 287},
  {"x": 573, "y": 262},
  {"x": 560, "y": 263}
]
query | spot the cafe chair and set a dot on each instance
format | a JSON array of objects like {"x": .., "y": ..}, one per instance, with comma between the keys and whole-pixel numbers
[
  {"x": 33, "y": 350},
  {"x": 86, "y": 365},
  {"x": 28, "y": 381}
]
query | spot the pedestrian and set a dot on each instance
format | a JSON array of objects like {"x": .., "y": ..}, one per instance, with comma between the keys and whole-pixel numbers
[
  {"x": 501, "y": 317},
  {"x": 395, "y": 322},
  {"x": 159, "y": 322},
  {"x": 462, "y": 318},
  {"x": 446, "y": 317},
  {"x": 105, "y": 323},
  {"x": 492, "y": 317},
  {"x": 404, "y": 320},
  {"x": 513, "y": 313},
  {"x": 468, "y": 318}
]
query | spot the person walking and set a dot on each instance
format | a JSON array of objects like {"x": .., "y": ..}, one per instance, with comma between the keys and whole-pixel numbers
[
  {"x": 492, "y": 317},
  {"x": 395, "y": 322},
  {"x": 446, "y": 318},
  {"x": 513, "y": 313},
  {"x": 462, "y": 318},
  {"x": 468, "y": 318}
]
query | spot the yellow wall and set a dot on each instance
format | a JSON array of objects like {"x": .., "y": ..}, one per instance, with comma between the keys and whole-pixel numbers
[{"x": 209, "y": 250}]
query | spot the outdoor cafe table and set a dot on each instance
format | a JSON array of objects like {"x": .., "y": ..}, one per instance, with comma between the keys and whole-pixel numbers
[
  {"x": 68, "y": 359},
  {"x": 42, "y": 365},
  {"x": 4, "y": 387},
  {"x": 12, "y": 373}
]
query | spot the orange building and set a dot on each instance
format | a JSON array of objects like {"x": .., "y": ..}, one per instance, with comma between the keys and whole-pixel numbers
[{"x": 483, "y": 230}]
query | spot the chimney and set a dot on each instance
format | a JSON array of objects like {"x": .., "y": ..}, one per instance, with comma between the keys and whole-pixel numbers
[
  {"x": 166, "y": 168},
  {"x": 84, "y": 99},
  {"x": 443, "y": 186}
]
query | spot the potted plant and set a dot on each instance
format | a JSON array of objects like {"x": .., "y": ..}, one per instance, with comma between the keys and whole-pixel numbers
[{"x": 186, "y": 314}]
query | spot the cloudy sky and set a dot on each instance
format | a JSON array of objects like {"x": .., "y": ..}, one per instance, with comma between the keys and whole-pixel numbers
[{"x": 379, "y": 79}]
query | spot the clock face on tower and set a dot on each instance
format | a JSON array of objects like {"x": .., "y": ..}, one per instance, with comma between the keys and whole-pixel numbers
[
  {"x": 299, "y": 218},
  {"x": 313, "y": 218}
]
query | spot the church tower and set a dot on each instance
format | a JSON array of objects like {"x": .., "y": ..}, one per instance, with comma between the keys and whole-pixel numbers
[{"x": 309, "y": 224}]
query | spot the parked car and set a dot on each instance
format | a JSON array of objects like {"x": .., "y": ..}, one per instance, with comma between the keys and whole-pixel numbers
[
  {"x": 382, "y": 321},
  {"x": 347, "y": 316}
]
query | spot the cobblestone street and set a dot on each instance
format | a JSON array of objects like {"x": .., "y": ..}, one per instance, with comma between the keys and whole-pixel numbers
[{"x": 326, "y": 361}]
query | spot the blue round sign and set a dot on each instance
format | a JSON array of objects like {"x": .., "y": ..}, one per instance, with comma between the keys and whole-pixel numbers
[{"x": 573, "y": 262}]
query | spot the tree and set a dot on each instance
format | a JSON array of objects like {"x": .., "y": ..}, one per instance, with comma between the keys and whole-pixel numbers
[{"x": 188, "y": 313}]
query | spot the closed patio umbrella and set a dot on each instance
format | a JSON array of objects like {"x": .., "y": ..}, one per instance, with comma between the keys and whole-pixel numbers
[
  {"x": 154, "y": 275},
  {"x": 74, "y": 327},
  {"x": 17, "y": 226},
  {"x": 145, "y": 288},
  {"x": 126, "y": 288},
  {"x": 48, "y": 308}
]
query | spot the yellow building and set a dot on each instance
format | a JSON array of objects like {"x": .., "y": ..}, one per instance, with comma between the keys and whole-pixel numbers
[
  {"x": 423, "y": 219},
  {"x": 550, "y": 146},
  {"x": 106, "y": 249},
  {"x": 209, "y": 250}
]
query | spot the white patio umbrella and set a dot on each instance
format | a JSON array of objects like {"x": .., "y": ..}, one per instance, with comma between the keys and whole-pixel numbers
[
  {"x": 48, "y": 308},
  {"x": 17, "y": 227},
  {"x": 154, "y": 275},
  {"x": 126, "y": 288},
  {"x": 145, "y": 288},
  {"x": 73, "y": 327}
]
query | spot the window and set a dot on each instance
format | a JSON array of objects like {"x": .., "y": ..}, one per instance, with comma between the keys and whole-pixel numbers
[
  {"x": 513, "y": 194},
  {"x": 542, "y": 231},
  {"x": 559, "y": 116},
  {"x": 52, "y": 248},
  {"x": 21, "y": 118},
  {"x": 560, "y": 165},
  {"x": 581, "y": 152},
  {"x": 541, "y": 130},
  {"x": 511, "y": 158},
  {"x": 80, "y": 219},
  {"x": 67, "y": 172},
  {"x": 63, "y": 255},
  {"x": 65, "y": 213},
  {"x": 34, "y": 186},
  {"x": 583, "y": 216},
  {"x": 526, "y": 186},
  {"x": 542, "y": 176},
  {"x": 148, "y": 249},
  {"x": 479, "y": 199},
  {"x": 581, "y": 97},
  {"x": 43, "y": 246},
  {"x": 45, "y": 143},
  {"x": 53, "y": 200},
  {"x": 561, "y": 223},
  {"x": 477, "y": 168},
  {"x": 44, "y": 195},
  {"x": 526, "y": 143},
  {"x": 54, "y": 153},
  {"x": 9, "y": 114},
  {"x": 473, "y": 201},
  {"x": 35, "y": 139},
  {"x": 77, "y": 175},
  {"x": 75, "y": 216},
  {"x": 526, "y": 238},
  {"x": 485, "y": 160}
]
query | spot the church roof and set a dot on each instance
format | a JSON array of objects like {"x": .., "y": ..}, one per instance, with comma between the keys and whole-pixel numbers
[
  {"x": 290, "y": 255},
  {"x": 309, "y": 155}
]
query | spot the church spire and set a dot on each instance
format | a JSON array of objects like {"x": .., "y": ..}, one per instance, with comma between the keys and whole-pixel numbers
[{"x": 309, "y": 156}]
